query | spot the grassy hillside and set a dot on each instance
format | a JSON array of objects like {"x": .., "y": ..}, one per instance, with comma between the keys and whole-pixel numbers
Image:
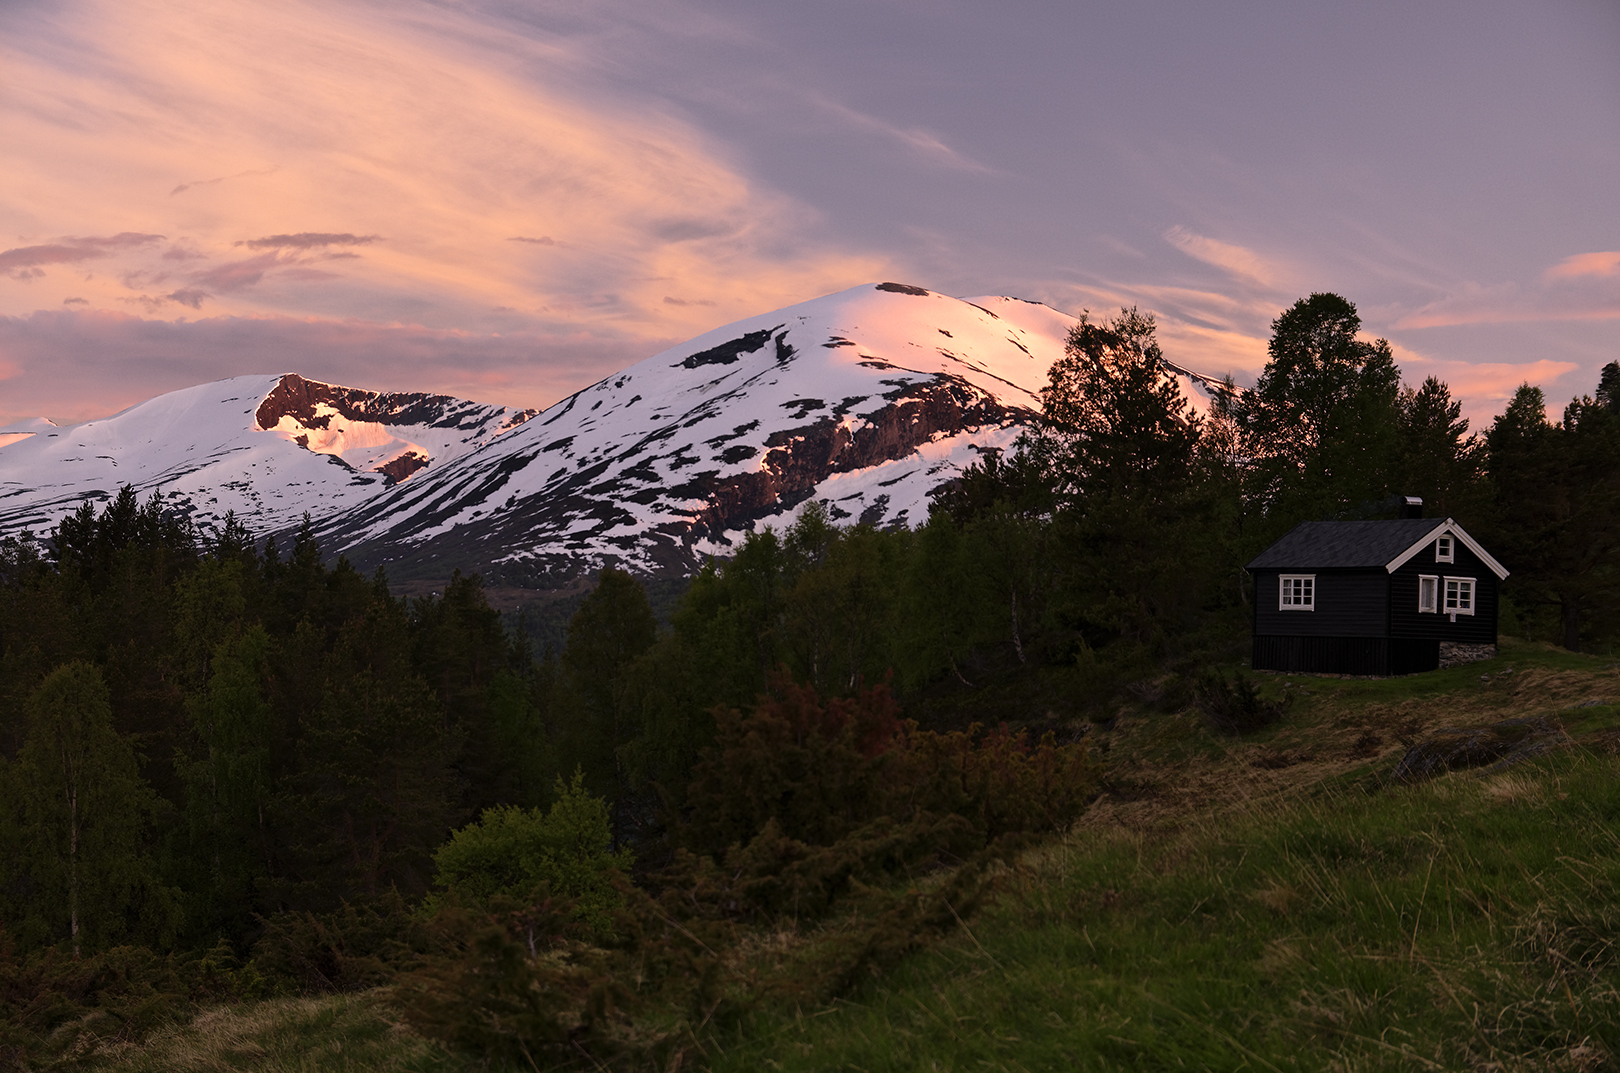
[{"x": 1272, "y": 902}]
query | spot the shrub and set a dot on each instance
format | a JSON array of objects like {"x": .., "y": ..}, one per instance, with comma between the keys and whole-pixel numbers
[
  {"x": 1235, "y": 706},
  {"x": 355, "y": 947},
  {"x": 517, "y": 852}
]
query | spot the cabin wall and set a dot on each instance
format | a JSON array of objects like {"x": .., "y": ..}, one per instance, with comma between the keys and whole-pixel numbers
[
  {"x": 1349, "y": 603},
  {"x": 1405, "y": 620},
  {"x": 1344, "y": 655}
]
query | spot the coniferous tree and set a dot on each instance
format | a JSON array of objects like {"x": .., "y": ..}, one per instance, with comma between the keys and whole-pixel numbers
[
  {"x": 1124, "y": 447},
  {"x": 1558, "y": 506},
  {"x": 1439, "y": 461},
  {"x": 611, "y": 629}
]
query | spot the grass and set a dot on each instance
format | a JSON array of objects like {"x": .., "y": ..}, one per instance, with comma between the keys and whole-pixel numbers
[
  {"x": 1263, "y": 903},
  {"x": 332, "y": 1033},
  {"x": 1454, "y": 925}
]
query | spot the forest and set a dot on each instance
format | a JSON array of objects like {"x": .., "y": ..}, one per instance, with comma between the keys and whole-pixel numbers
[{"x": 230, "y": 768}]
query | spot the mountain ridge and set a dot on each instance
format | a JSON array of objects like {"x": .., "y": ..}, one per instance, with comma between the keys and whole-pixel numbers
[{"x": 867, "y": 400}]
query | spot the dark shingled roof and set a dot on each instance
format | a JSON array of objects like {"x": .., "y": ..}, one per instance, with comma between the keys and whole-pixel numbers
[{"x": 1344, "y": 545}]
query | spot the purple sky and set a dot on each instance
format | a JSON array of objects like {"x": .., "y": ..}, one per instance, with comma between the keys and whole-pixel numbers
[{"x": 508, "y": 200}]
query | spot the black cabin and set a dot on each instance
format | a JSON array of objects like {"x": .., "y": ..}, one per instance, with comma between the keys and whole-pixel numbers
[{"x": 1375, "y": 598}]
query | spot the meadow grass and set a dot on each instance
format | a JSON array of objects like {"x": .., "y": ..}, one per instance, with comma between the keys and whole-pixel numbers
[
  {"x": 356, "y": 1033},
  {"x": 1463, "y": 924},
  {"x": 1266, "y": 903}
]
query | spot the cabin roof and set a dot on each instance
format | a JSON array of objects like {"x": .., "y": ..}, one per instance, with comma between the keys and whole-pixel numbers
[{"x": 1361, "y": 545}]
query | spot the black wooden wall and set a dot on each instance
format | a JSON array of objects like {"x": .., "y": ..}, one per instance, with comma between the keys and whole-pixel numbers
[
  {"x": 1406, "y": 621},
  {"x": 1367, "y": 621},
  {"x": 1349, "y": 603}
]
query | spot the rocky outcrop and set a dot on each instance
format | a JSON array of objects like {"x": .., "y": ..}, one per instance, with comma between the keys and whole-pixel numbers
[
  {"x": 1493, "y": 747},
  {"x": 301, "y": 399},
  {"x": 796, "y": 460}
]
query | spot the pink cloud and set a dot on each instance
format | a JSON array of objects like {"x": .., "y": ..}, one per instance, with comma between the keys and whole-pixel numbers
[
  {"x": 1602, "y": 263},
  {"x": 71, "y": 250},
  {"x": 115, "y": 360},
  {"x": 306, "y": 240},
  {"x": 237, "y": 275}
]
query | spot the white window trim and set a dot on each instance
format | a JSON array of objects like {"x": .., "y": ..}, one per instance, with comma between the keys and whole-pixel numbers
[
  {"x": 1433, "y": 605},
  {"x": 1282, "y": 590},
  {"x": 1450, "y": 555},
  {"x": 1473, "y": 597}
]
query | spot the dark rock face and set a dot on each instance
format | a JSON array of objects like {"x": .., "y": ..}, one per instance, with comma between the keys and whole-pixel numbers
[
  {"x": 796, "y": 460},
  {"x": 299, "y": 398},
  {"x": 398, "y": 469}
]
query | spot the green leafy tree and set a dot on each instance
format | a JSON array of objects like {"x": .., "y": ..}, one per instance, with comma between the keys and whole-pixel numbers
[
  {"x": 1321, "y": 424},
  {"x": 83, "y": 816},
  {"x": 521, "y": 853},
  {"x": 840, "y": 611},
  {"x": 229, "y": 787}
]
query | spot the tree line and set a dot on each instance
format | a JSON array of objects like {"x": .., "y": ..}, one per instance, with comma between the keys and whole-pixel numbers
[{"x": 202, "y": 739}]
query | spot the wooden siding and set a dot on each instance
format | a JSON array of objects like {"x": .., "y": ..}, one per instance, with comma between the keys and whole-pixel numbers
[
  {"x": 1349, "y": 603},
  {"x": 1406, "y": 621},
  {"x": 1344, "y": 655}
]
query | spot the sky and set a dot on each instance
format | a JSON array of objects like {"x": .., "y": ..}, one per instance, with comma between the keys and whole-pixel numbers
[{"x": 507, "y": 200}]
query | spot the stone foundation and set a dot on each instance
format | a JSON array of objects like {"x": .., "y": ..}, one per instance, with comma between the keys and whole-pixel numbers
[{"x": 1452, "y": 654}]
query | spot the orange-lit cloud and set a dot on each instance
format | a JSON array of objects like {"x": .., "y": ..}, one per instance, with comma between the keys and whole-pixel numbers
[
  {"x": 1602, "y": 263},
  {"x": 417, "y": 147},
  {"x": 1239, "y": 261},
  {"x": 1484, "y": 388},
  {"x": 1580, "y": 287}
]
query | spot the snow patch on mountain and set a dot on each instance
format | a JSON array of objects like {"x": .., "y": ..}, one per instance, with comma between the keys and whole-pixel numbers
[
  {"x": 868, "y": 399},
  {"x": 209, "y": 451}
]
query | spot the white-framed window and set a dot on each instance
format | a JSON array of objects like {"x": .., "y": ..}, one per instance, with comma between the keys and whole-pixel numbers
[
  {"x": 1445, "y": 549},
  {"x": 1298, "y": 593},
  {"x": 1459, "y": 596},
  {"x": 1428, "y": 592}
]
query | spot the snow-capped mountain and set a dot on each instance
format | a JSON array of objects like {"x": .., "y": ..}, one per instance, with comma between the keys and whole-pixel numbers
[
  {"x": 267, "y": 447},
  {"x": 867, "y": 400}
]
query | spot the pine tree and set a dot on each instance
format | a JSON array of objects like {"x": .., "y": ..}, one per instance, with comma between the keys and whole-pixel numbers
[{"x": 1439, "y": 461}]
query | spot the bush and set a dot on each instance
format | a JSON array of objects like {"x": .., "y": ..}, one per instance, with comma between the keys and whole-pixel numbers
[
  {"x": 356, "y": 947},
  {"x": 1235, "y": 706},
  {"x": 565, "y": 852},
  {"x": 53, "y": 1004},
  {"x": 800, "y": 799}
]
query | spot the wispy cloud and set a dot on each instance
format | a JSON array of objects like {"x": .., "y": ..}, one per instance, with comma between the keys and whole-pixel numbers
[
  {"x": 1603, "y": 263},
  {"x": 307, "y": 240},
  {"x": 1239, "y": 261},
  {"x": 183, "y": 187},
  {"x": 321, "y": 127},
  {"x": 922, "y": 142},
  {"x": 1579, "y": 288},
  {"x": 72, "y": 250}
]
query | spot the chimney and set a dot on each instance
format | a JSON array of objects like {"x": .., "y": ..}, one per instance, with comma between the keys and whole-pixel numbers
[{"x": 1412, "y": 507}]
